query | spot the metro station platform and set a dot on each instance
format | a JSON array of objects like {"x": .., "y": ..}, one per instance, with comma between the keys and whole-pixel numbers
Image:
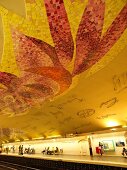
[{"x": 67, "y": 162}]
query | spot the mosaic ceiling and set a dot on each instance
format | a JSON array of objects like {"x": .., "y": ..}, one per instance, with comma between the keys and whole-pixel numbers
[{"x": 63, "y": 65}]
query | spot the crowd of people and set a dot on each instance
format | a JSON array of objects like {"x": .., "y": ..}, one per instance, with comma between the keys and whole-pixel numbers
[
  {"x": 53, "y": 151},
  {"x": 31, "y": 150},
  {"x": 28, "y": 150}
]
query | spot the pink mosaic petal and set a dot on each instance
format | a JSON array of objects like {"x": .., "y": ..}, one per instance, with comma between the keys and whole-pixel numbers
[
  {"x": 113, "y": 33},
  {"x": 89, "y": 33},
  {"x": 60, "y": 30},
  {"x": 48, "y": 49},
  {"x": 27, "y": 53}
]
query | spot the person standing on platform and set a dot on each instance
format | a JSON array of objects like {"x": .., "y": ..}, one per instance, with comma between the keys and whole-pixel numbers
[
  {"x": 22, "y": 150},
  {"x": 19, "y": 149},
  {"x": 90, "y": 145},
  {"x": 7, "y": 149},
  {"x": 13, "y": 149},
  {"x": 101, "y": 148}
]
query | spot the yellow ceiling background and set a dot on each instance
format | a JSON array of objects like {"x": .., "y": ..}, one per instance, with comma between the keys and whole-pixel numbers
[{"x": 95, "y": 97}]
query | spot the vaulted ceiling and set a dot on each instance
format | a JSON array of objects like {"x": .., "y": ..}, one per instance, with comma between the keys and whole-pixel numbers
[{"x": 63, "y": 67}]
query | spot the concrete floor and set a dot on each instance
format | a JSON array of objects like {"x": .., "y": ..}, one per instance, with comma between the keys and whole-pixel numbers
[{"x": 117, "y": 161}]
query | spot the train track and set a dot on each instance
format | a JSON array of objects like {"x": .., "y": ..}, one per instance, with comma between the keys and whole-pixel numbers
[{"x": 11, "y": 166}]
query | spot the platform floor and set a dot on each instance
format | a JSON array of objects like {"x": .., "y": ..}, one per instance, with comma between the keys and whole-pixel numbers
[{"x": 117, "y": 161}]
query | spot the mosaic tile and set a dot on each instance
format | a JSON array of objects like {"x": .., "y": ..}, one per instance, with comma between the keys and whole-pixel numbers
[
  {"x": 89, "y": 33},
  {"x": 60, "y": 30},
  {"x": 54, "y": 36}
]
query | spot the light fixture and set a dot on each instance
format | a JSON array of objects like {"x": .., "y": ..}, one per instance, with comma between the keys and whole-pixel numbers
[
  {"x": 26, "y": 139},
  {"x": 17, "y": 140},
  {"x": 53, "y": 136},
  {"x": 125, "y": 126},
  {"x": 112, "y": 123},
  {"x": 39, "y": 138}
]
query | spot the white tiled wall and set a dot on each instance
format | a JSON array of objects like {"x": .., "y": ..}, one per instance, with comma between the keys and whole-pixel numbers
[
  {"x": 115, "y": 137},
  {"x": 76, "y": 145},
  {"x": 70, "y": 146}
]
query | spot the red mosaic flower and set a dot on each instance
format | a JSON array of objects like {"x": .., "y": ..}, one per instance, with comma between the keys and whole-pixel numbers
[{"x": 43, "y": 68}]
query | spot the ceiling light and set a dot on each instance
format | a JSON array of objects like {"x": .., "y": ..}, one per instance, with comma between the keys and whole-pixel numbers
[
  {"x": 125, "y": 126},
  {"x": 26, "y": 139},
  {"x": 111, "y": 123},
  {"x": 17, "y": 140},
  {"x": 54, "y": 136},
  {"x": 39, "y": 138}
]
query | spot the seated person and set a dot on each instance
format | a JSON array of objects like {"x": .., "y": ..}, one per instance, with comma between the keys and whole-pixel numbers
[{"x": 56, "y": 150}]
